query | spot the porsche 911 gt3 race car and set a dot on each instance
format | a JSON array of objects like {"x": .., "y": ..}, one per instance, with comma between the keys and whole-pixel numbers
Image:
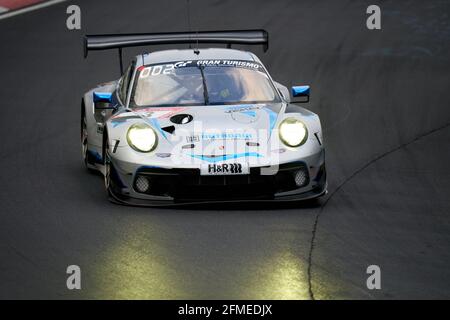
[{"x": 200, "y": 125}]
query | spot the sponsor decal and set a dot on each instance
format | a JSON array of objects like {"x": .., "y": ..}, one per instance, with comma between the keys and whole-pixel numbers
[
  {"x": 169, "y": 68},
  {"x": 192, "y": 139},
  {"x": 225, "y": 168},
  {"x": 229, "y": 63},
  {"x": 226, "y": 136},
  {"x": 219, "y": 136},
  {"x": 245, "y": 113},
  {"x": 244, "y": 108},
  {"x": 165, "y": 69}
]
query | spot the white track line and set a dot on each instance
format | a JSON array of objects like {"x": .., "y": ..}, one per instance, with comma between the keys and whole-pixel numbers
[{"x": 28, "y": 9}]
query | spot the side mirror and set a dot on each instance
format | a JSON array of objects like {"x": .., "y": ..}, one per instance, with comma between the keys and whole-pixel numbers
[
  {"x": 301, "y": 92},
  {"x": 103, "y": 100}
]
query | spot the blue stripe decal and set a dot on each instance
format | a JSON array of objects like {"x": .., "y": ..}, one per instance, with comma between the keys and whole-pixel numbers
[
  {"x": 156, "y": 125},
  {"x": 115, "y": 123},
  {"x": 97, "y": 157},
  {"x": 249, "y": 113},
  {"x": 272, "y": 117},
  {"x": 226, "y": 157}
]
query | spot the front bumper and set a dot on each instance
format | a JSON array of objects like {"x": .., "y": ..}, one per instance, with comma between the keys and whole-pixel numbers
[{"x": 181, "y": 186}]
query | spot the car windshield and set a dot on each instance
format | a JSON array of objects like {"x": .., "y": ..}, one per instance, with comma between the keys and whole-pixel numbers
[{"x": 202, "y": 82}]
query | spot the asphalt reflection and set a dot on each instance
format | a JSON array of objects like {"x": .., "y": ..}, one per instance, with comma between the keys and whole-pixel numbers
[{"x": 232, "y": 255}]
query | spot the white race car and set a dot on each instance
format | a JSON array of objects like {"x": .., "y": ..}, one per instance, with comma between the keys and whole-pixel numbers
[{"x": 200, "y": 125}]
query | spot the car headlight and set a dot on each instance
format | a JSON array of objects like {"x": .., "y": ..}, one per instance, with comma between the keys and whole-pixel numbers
[
  {"x": 142, "y": 137},
  {"x": 293, "y": 132}
]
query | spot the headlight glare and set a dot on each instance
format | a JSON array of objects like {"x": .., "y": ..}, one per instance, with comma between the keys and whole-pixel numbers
[
  {"x": 293, "y": 132},
  {"x": 142, "y": 138}
]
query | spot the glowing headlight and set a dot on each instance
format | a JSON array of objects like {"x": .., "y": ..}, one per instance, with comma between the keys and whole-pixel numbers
[
  {"x": 293, "y": 132},
  {"x": 142, "y": 137}
]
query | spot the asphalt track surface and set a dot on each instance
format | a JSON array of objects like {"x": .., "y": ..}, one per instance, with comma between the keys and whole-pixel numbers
[{"x": 383, "y": 97}]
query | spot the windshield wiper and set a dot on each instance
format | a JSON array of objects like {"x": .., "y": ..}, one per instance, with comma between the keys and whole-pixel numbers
[{"x": 205, "y": 88}]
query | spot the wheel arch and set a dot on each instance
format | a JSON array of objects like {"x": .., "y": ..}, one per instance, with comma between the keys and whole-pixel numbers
[{"x": 105, "y": 143}]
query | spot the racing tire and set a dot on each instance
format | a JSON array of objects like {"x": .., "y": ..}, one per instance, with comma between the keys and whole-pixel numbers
[
  {"x": 110, "y": 173},
  {"x": 106, "y": 162}
]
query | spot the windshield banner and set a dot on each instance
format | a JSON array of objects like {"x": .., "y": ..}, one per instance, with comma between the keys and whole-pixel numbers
[{"x": 168, "y": 68}]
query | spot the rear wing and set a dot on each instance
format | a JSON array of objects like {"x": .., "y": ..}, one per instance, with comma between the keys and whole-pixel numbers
[{"x": 119, "y": 41}]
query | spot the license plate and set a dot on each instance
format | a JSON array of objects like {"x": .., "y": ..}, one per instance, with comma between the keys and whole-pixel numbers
[{"x": 224, "y": 169}]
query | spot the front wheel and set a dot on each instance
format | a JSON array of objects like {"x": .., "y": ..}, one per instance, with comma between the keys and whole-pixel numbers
[
  {"x": 110, "y": 174},
  {"x": 111, "y": 177},
  {"x": 107, "y": 174}
]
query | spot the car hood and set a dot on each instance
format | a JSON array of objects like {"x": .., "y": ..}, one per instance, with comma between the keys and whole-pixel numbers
[{"x": 193, "y": 124}]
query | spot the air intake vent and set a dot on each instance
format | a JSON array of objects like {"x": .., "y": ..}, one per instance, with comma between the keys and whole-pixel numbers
[{"x": 181, "y": 118}]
